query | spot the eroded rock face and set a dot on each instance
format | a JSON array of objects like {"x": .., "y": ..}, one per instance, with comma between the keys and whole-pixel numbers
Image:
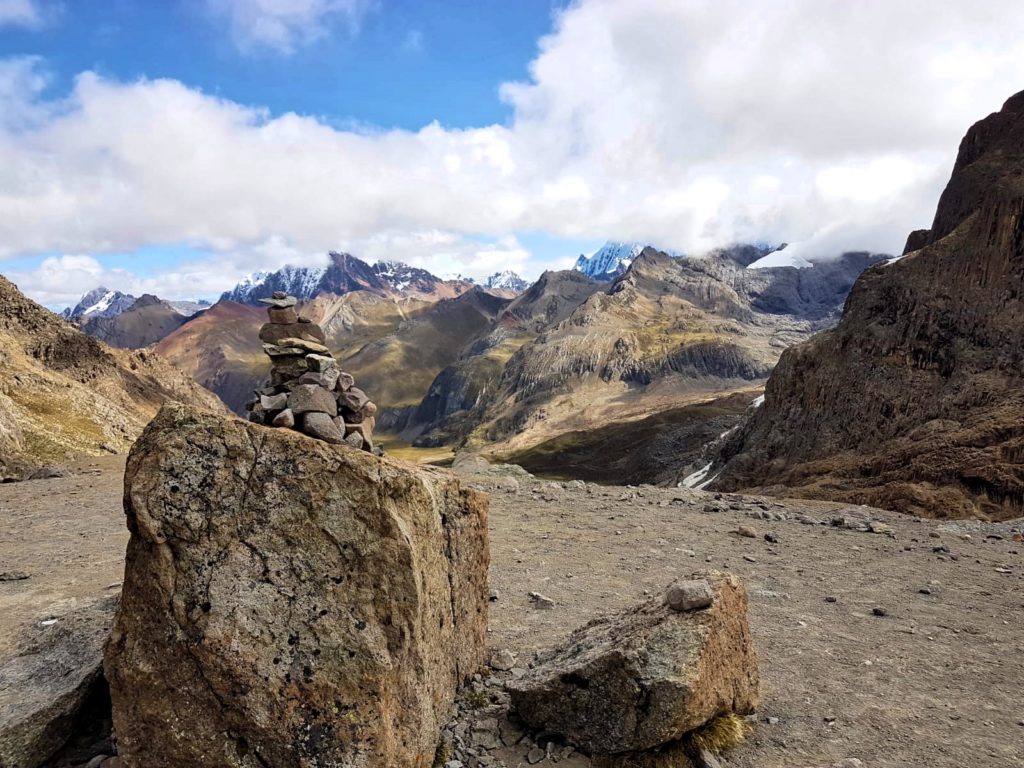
[
  {"x": 636, "y": 679},
  {"x": 913, "y": 402},
  {"x": 54, "y": 671},
  {"x": 290, "y": 603}
]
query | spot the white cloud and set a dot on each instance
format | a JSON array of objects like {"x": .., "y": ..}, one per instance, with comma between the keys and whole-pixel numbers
[
  {"x": 685, "y": 123},
  {"x": 21, "y": 13},
  {"x": 284, "y": 25}
]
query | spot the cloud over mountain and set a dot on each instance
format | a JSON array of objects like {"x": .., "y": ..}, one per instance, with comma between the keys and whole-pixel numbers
[{"x": 684, "y": 123}]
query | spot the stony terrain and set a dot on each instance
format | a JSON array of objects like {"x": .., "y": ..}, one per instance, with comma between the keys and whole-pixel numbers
[
  {"x": 916, "y": 397},
  {"x": 935, "y": 681}
]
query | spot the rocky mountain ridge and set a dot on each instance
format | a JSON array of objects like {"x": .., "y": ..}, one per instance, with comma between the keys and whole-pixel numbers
[
  {"x": 913, "y": 402},
  {"x": 343, "y": 274}
]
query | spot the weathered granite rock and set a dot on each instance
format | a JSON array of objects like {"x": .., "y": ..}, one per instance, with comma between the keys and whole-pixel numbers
[
  {"x": 284, "y": 316},
  {"x": 325, "y": 379},
  {"x": 353, "y": 398},
  {"x": 632, "y": 680},
  {"x": 322, "y": 427},
  {"x": 290, "y": 603},
  {"x": 305, "y": 345},
  {"x": 309, "y": 397},
  {"x": 284, "y": 419},
  {"x": 276, "y": 402},
  {"x": 55, "y": 670},
  {"x": 280, "y": 302},
  {"x": 321, "y": 363},
  {"x": 274, "y": 333},
  {"x": 345, "y": 382}
]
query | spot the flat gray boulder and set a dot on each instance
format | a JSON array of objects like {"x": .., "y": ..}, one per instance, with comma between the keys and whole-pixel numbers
[{"x": 56, "y": 665}]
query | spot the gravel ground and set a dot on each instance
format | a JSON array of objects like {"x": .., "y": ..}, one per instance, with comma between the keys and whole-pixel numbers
[{"x": 934, "y": 682}]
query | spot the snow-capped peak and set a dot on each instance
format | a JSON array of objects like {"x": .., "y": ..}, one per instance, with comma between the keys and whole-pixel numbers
[
  {"x": 506, "y": 280},
  {"x": 609, "y": 261},
  {"x": 100, "y": 302},
  {"x": 787, "y": 257}
]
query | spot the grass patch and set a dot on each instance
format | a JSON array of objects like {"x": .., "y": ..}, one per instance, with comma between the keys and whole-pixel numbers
[
  {"x": 440, "y": 456},
  {"x": 52, "y": 431},
  {"x": 720, "y": 735}
]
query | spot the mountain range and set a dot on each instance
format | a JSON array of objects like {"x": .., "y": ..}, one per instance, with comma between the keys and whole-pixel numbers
[
  {"x": 572, "y": 354},
  {"x": 344, "y": 273}
]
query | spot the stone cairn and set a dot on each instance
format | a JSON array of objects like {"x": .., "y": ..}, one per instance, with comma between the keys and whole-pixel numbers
[{"x": 306, "y": 390}]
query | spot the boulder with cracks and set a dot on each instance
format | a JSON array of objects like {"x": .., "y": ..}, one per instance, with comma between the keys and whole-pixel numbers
[{"x": 288, "y": 602}]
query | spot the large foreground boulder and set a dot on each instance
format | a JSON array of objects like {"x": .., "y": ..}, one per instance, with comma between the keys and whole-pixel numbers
[
  {"x": 290, "y": 603},
  {"x": 55, "y": 670},
  {"x": 643, "y": 677}
]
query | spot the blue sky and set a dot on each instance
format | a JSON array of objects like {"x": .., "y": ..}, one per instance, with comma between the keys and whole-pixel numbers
[
  {"x": 173, "y": 146},
  {"x": 406, "y": 64}
]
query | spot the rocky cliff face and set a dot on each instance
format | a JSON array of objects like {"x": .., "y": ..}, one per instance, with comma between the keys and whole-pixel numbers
[
  {"x": 64, "y": 394},
  {"x": 290, "y": 603},
  {"x": 914, "y": 401}
]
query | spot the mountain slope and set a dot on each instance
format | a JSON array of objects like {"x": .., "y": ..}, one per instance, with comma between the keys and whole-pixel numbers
[
  {"x": 914, "y": 401},
  {"x": 398, "y": 368},
  {"x": 570, "y": 355},
  {"x": 64, "y": 394},
  {"x": 145, "y": 322},
  {"x": 221, "y": 349}
]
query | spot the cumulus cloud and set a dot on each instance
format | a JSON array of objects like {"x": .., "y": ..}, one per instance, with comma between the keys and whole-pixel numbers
[
  {"x": 22, "y": 13},
  {"x": 284, "y": 25},
  {"x": 684, "y": 123}
]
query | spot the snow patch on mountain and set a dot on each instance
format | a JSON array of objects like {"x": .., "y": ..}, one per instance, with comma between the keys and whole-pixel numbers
[
  {"x": 506, "y": 280},
  {"x": 609, "y": 261},
  {"x": 100, "y": 302},
  {"x": 782, "y": 258}
]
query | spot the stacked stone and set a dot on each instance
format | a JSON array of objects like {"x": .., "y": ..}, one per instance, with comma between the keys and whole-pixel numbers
[{"x": 307, "y": 391}]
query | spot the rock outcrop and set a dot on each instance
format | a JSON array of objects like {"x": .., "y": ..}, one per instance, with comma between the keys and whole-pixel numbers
[
  {"x": 290, "y": 603},
  {"x": 640, "y": 678},
  {"x": 47, "y": 684},
  {"x": 914, "y": 401}
]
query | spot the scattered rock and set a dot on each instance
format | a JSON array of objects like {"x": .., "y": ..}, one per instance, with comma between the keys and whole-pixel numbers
[
  {"x": 689, "y": 595},
  {"x": 639, "y": 678},
  {"x": 13, "y": 575},
  {"x": 290, "y": 600},
  {"x": 748, "y": 533},
  {"x": 49, "y": 473},
  {"x": 502, "y": 659},
  {"x": 540, "y": 601}
]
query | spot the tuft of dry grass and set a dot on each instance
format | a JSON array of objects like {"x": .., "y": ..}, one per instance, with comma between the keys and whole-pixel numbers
[{"x": 720, "y": 735}]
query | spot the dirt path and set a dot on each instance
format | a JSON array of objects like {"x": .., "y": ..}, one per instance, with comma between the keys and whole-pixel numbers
[{"x": 935, "y": 682}]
